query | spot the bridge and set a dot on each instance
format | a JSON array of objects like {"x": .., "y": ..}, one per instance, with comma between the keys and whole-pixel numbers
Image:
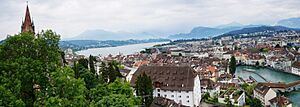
[{"x": 249, "y": 70}]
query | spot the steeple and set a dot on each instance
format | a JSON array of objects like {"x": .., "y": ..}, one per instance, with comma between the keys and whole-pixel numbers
[{"x": 27, "y": 24}]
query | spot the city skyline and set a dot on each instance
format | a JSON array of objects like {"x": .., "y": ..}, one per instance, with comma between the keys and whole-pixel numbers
[{"x": 70, "y": 18}]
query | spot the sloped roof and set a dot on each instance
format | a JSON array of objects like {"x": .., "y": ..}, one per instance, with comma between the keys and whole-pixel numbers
[{"x": 168, "y": 77}]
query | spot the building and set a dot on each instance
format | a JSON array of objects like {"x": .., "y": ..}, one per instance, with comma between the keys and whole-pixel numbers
[
  {"x": 177, "y": 83},
  {"x": 280, "y": 101},
  {"x": 296, "y": 68},
  {"x": 235, "y": 96},
  {"x": 265, "y": 92},
  {"x": 27, "y": 24}
]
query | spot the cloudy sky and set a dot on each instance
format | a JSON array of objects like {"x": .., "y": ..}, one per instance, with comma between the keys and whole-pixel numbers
[{"x": 71, "y": 17}]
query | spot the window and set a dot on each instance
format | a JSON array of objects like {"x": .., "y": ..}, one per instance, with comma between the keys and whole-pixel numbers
[
  {"x": 180, "y": 96},
  {"x": 172, "y": 95},
  {"x": 165, "y": 95},
  {"x": 158, "y": 95},
  {"x": 187, "y": 101},
  {"x": 187, "y": 96},
  {"x": 158, "y": 90}
]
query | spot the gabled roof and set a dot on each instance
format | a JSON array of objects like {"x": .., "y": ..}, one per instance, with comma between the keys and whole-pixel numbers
[
  {"x": 280, "y": 101},
  {"x": 168, "y": 77},
  {"x": 164, "y": 102}
]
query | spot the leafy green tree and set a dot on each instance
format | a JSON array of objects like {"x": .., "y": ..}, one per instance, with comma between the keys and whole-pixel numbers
[
  {"x": 90, "y": 79},
  {"x": 117, "y": 93},
  {"x": 92, "y": 61},
  {"x": 232, "y": 65},
  {"x": 83, "y": 63},
  {"x": 228, "y": 102},
  {"x": 7, "y": 98},
  {"x": 144, "y": 89},
  {"x": 254, "y": 102},
  {"x": 64, "y": 88},
  {"x": 29, "y": 59},
  {"x": 115, "y": 100},
  {"x": 256, "y": 63}
]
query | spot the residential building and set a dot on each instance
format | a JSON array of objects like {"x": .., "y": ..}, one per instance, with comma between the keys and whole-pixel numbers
[{"x": 178, "y": 83}]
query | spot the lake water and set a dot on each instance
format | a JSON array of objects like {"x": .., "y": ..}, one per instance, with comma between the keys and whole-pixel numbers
[
  {"x": 270, "y": 75},
  {"x": 125, "y": 50}
]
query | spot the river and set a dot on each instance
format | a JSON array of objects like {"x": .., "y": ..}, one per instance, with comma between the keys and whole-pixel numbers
[
  {"x": 270, "y": 75},
  {"x": 125, "y": 50}
]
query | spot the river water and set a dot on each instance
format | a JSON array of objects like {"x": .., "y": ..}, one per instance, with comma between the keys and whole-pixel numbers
[
  {"x": 270, "y": 75},
  {"x": 125, "y": 50}
]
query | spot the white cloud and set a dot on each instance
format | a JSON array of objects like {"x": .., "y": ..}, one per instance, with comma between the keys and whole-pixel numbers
[{"x": 71, "y": 17}]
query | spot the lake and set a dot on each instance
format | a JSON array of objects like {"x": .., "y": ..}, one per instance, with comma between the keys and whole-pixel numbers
[
  {"x": 270, "y": 75},
  {"x": 125, "y": 50}
]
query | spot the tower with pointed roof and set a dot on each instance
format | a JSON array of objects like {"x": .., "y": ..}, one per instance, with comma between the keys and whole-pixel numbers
[{"x": 27, "y": 24}]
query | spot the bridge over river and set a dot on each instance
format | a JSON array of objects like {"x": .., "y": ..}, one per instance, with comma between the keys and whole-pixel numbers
[{"x": 265, "y": 74}]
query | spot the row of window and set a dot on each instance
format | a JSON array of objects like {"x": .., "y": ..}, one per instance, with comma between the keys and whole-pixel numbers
[
  {"x": 158, "y": 90},
  {"x": 171, "y": 96}
]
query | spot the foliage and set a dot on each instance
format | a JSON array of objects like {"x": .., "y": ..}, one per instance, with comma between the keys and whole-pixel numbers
[
  {"x": 232, "y": 65},
  {"x": 228, "y": 102},
  {"x": 254, "y": 102},
  {"x": 117, "y": 94},
  {"x": 144, "y": 89},
  {"x": 31, "y": 74},
  {"x": 264, "y": 50},
  {"x": 27, "y": 60},
  {"x": 92, "y": 60},
  {"x": 206, "y": 96}
]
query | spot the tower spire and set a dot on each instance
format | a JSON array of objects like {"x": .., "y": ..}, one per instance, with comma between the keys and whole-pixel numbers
[{"x": 27, "y": 25}]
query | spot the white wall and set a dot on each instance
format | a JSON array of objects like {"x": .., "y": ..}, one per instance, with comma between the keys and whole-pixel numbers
[
  {"x": 270, "y": 94},
  {"x": 197, "y": 91},
  {"x": 183, "y": 97}
]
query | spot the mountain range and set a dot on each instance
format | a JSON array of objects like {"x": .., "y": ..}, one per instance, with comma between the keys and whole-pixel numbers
[
  {"x": 196, "y": 33},
  {"x": 291, "y": 22},
  {"x": 100, "y": 34}
]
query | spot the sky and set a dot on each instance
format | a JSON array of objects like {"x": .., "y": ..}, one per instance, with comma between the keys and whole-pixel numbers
[{"x": 69, "y": 18}]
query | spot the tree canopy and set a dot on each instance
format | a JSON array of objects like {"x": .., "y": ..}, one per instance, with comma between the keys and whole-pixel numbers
[{"x": 32, "y": 74}]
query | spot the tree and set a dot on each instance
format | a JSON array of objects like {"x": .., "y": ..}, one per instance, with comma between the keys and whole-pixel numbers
[
  {"x": 144, "y": 89},
  {"x": 256, "y": 63},
  {"x": 254, "y": 102},
  {"x": 83, "y": 63},
  {"x": 64, "y": 90},
  {"x": 228, "y": 102},
  {"x": 7, "y": 98},
  {"x": 232, "y": 65},
  {"x": 29, "y": 59},
  {"x": 32, "y": 74},
  {"x": 92, "y": 59},
  {"x": 206, "y": 96},
  {"x": 117, "y": 94}
]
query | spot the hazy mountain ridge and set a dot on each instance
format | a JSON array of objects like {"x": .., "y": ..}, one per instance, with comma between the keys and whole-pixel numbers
[
  {"x": 99, "y": 34},
  {"x": 290, "y": 22}
]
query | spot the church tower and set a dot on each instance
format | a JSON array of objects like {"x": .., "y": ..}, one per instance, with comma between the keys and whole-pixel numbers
[{"x": 27, "y": 24}]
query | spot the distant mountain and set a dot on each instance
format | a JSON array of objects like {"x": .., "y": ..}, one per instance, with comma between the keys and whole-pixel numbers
[
  {"x": 232, "y": 24},
  {"x": 107, "y": 35},
  {"x": 291, "y": 22},
  {"x": 259, "y": 29},
  {"x": 203, "y": 32}
]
